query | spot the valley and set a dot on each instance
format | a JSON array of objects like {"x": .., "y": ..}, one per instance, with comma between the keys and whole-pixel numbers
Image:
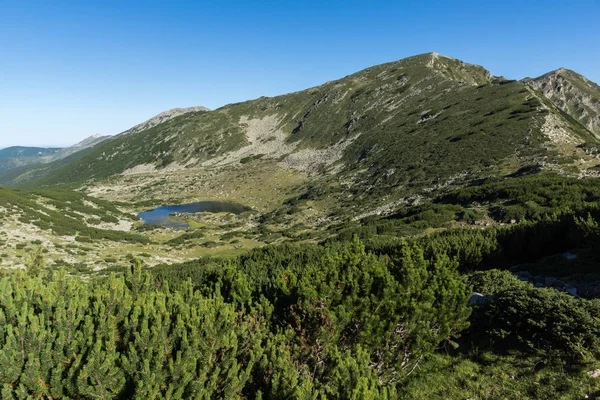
[
  {"x": 305, "y": 164},
  {"x": 418, "y": 229}
]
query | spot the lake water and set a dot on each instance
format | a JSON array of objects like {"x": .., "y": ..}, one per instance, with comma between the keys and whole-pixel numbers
[{"x": 163, "y": 215}]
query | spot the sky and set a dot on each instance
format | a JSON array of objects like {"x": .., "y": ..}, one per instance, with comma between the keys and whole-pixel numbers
[{"x": 72, "y": 69}]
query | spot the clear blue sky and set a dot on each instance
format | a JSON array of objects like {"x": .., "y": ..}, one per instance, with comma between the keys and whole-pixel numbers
[{"x": 71, "y": 69}]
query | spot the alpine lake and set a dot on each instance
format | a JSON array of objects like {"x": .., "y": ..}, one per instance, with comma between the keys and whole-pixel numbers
[{"x": 166, "y": 216}]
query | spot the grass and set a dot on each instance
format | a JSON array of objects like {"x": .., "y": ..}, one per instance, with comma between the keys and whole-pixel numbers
[
  {"x": 490, "y": 376},
  {"x": 62, "y": 223},
  {"x": 263, "y": 186}
]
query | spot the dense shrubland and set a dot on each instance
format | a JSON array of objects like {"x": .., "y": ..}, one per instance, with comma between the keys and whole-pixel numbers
[
  {"x": 63, "y": 212},
  {"x": 382, "y": 316},
  {"x": 288, "y": 321},
  {"x": 345, "y": 324}
]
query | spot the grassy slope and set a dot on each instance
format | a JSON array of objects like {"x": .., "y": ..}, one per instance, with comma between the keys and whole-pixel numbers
[{"x": 62, "y": 212}]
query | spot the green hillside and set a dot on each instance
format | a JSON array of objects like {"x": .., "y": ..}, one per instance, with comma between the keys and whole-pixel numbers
[
  {"x": 64, "y": 213},
  {"x": 27, "y": 164},
  {"x": 371, "y": 139},
  {"x": 334, "y": 320}
]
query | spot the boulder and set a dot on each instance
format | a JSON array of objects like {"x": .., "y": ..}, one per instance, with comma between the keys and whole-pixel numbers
[
  {"x": 594, "y": 374},
  {"x": 553, "y": 282},
  {"x": 524, "y": 276},
  {"x": 572, "y": 290},
  {"x": 478, "y": 299}
]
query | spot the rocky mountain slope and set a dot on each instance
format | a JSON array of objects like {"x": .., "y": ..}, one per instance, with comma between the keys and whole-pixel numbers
[
  {"x": 162, "y": 117},
  {"x": 84, "y": 144},
  {"x": 368, "y": 142},
  {"x": 572, "y": 93}
]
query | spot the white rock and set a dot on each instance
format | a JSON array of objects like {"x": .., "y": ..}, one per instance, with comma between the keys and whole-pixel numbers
[{"x": 594, "y": 374}]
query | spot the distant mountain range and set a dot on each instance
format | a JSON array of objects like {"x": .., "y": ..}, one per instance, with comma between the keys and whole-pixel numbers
[
  {"x": 384, "y": 136},
  {"x": 19, "y": 164},
  {"x": 16, "y": 156},
  {"x": 19, "y": 156},
  {"x": 21, "y": 152}
]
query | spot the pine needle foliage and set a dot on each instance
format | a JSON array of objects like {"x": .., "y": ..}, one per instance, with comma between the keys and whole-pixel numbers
[{"x": 348, "y": 324}]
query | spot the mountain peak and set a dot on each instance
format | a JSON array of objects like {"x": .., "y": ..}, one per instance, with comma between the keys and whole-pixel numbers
[
  {"x": 572, "y": 93},
  {"x": 430, "y": 54},
  {"x": 426, "y": 58},
  {"x": 561, "y": 71},
  {"x": 163, "y": 117},
  {"x": 90, "y": 140},
  {"x": 449, "y": 67}
]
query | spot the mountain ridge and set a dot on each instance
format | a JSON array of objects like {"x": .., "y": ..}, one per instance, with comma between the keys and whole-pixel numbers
[
  {"x": 15, "y": 156},
  {"x": 162, "y": 117},
  {"x": 376, "y": 138},
  {"x": 27, "y": 151},
  {"x": 23, "y": 173},
  {"x": 572, "y": 93},
  {"x": 88, "y": 142}
]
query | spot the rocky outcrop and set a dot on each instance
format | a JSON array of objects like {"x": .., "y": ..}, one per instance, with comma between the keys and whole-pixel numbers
[
  {"x": 572, "y": 93},
  {"x": 594, "y": 374},
  {"x": 576, "y": 288},
  {"x": 478, "y": 299}
]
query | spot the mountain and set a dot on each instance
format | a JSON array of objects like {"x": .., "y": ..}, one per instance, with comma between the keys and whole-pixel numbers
[
  {"x": 162, "y": 117},
  {"x": 572, "y": 93},
  {"x": 481, "y": 266},
  {"x": 84, "y": 144},
  {"x": 22, "y": 151},
  {"x": 15, "y": 156},
  {"x": 29, "y": 173},
  {"x": 41, "y": 166},
  {"x": 382, "y": 137}
]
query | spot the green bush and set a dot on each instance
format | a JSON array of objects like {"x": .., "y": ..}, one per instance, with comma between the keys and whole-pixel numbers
[
  {"x": 494, "y": 281},
  {"x": 543, "y": 320}
]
